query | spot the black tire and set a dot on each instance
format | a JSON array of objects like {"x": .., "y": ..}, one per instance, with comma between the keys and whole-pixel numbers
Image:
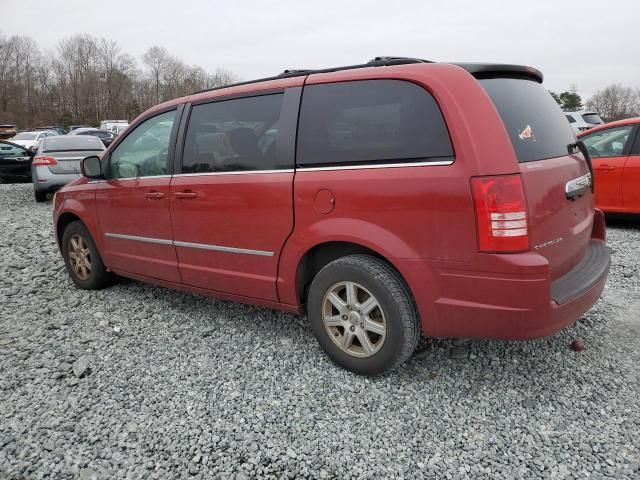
[
  {"x": 40, "y": 196},
  {"x": 394, "y": 299},
  {"x": 98, "y": 276}
]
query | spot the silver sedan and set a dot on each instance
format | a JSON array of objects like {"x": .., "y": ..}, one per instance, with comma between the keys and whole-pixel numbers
[{"x": 57, "y": 162}]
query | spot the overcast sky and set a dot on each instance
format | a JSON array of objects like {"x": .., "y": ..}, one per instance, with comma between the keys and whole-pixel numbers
[{"x": 590, "y": 43}]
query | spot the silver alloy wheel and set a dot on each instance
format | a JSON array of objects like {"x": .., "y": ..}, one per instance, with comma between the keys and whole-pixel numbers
[
  {"x": 80, "y": 257},
  {"x": 354, "y": 319}
]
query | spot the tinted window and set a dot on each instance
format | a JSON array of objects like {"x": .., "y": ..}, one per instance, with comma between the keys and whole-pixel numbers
[
  {"x": 233, "y": 135},
  {"x": 11, "y": 150},
  {"x": 607, "y": 143},
  {"x": 62, "y": 143},
  {"x": 532, "y": 118},
  {"x": 592, "y": 118},
  {"x": 571, "y": 119},
  {"x": 145, "y": 151},
  {"x": 370, "y": 121}
]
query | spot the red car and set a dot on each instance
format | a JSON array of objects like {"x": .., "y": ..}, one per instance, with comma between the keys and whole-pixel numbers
[
  {"x": 615, "y": 150},
  {"x": 386, "y": 200}
]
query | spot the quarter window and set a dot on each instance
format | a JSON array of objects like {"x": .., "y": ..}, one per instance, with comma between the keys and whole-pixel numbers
[
  {"x": 145, "y": 151},
  {"x": 570, "y": 118},
  {"x": 608, "y": 143},
  {"x": 370, "y": 121},
  {"x": 234, "y": 135}
]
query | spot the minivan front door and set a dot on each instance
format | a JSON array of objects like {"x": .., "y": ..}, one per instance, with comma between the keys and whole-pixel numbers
[
  {"x": 133, "y": 203},
  {"x": 231, "y": 206}
]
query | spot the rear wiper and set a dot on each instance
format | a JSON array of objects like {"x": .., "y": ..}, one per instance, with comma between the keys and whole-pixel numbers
[{"x": 587, "y": 158}]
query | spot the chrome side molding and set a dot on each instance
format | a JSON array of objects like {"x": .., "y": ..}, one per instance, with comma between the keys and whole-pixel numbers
[{"x": 203, "y": 246}]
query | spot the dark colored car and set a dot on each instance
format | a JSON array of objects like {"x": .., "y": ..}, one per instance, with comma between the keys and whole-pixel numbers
[
  {"x": 386, "y": 200},
  {"x": 15, "y": 162},
  {"x": 104, "y": 136}
]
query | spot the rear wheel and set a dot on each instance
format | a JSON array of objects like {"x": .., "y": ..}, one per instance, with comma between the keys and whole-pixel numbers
[
  {"x": 40, "y": 196},
  {"x": 363, "y": 315},
  {"x": 82, "y": 259}
]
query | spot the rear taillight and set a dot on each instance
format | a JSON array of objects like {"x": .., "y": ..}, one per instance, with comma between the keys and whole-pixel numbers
[
  {"x": 501, "y": 213},
  {"x": 44, "y": 161}
]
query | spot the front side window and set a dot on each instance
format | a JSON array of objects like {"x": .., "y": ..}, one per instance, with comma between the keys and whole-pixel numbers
[
  {"x": 607, "y": 143},
  {"x": 233, "y": 135},
  {"x": 145, "y": 151},
  {"x": 370, "y": 121}
]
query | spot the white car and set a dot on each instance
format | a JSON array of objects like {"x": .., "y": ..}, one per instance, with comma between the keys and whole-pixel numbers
[
  {"x": 583, "y": 120},
  {"x": 32, "y": 140}
]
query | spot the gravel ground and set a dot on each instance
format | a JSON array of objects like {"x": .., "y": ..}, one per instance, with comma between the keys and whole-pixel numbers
[{"x": 141, "y": 382}]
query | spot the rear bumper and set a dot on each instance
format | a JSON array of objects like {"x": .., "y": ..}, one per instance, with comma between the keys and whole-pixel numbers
[
  {"x": 46, "y": 181},
  {"x": 517, "y": 300}
]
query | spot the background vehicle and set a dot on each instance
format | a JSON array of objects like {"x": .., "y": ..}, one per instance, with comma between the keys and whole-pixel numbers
[
  {"x": 74, "y": 127},
  {"x": 615, "y": 150},
  {"x": 32, "y": 139},
  {"x": 583, "y": 120},
  {"x": 15, "y": 162},
  {"x": 373, "y": 196},
  {"x": 105, "y": 137},
  {"x": 114, "y": 126},
  {"x": 57, "y": 162},
  {"x": 59, "y": 130},
  {"x": 7, "y": 131}
]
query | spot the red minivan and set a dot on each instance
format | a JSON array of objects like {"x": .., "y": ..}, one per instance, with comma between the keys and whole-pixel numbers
[{"x": 386, "y": 200}]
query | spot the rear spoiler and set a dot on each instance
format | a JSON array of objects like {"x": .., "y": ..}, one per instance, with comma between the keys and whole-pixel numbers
[{"x": 492, "y": 70}]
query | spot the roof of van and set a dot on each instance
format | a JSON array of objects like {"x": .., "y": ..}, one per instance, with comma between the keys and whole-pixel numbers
[{"x": 480, "y": 70}]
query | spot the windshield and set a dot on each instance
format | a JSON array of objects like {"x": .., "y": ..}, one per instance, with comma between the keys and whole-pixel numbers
[
  {"x": 537, "y": 127},
  {"x": 592, "y": 118},
  {"x": 25, "y": 136}
]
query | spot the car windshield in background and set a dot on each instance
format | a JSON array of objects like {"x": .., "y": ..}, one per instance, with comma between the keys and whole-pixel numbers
[
  {"x": 537, "y": 127},
  {"x": 64, "y": 143},
  {"x": 592, "y": 118},
  {"x": 25, "y": 136}
]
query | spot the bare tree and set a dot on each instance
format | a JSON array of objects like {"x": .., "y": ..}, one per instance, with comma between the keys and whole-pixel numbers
[
  {"x": 156, "y": 59},
  {"x": 87, "y": 79},
  {"x": 615, "y": 102}
]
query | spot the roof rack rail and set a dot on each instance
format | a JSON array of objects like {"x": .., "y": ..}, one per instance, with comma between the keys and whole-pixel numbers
[{"x": 375, "y": 62}]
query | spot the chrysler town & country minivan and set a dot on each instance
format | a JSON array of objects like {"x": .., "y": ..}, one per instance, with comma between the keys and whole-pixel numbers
[{"x": 387, "y": 200}]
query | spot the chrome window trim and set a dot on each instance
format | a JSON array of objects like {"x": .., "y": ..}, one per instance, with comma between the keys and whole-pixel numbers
[
  {"x": 203, "y": 246},
  {"x": 138, "y": 178},
  {"x": 381, "y": 165},
  {"x": 236, "y": 172}
]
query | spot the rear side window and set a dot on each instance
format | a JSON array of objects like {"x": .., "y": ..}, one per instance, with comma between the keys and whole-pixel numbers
[
  {"x": 233, "y": 135},
  {"x": 592, "y": 118},
  {"x": 532, "y": 117},
  {"x": 570, "y": 118},
  {"x": 370, "y": 121}
]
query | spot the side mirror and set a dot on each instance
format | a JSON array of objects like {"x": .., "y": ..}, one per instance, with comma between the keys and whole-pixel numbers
[{"x": 91, "y": 167}]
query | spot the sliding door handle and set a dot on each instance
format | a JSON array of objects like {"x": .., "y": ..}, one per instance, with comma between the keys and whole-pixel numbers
[
  {"x": 154, "y": 195},
  {"x": 185, "y": 195}
]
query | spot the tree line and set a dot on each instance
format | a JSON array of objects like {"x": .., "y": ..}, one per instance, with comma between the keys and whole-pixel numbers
[
  {"x": 613, "y": 102},
  {"x": 87, "y": 79}
]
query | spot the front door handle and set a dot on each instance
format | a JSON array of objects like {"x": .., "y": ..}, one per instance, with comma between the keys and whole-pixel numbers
[
  {"x": 185, "y": 195},
  {"x": 154, "y": 195},
  {"x": 605, "y": 167}
]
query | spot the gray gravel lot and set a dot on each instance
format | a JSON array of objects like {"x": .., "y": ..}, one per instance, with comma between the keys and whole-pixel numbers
[{"x": 141, "y": 382}]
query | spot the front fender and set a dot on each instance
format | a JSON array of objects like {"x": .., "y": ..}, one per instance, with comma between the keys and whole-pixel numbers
[{"x": 82, "y": 205}]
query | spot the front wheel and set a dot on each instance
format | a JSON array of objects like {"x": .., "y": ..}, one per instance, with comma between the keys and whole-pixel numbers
[
  {"x": 82, "y": 259},
  {"x": 363, "y": 315}
]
